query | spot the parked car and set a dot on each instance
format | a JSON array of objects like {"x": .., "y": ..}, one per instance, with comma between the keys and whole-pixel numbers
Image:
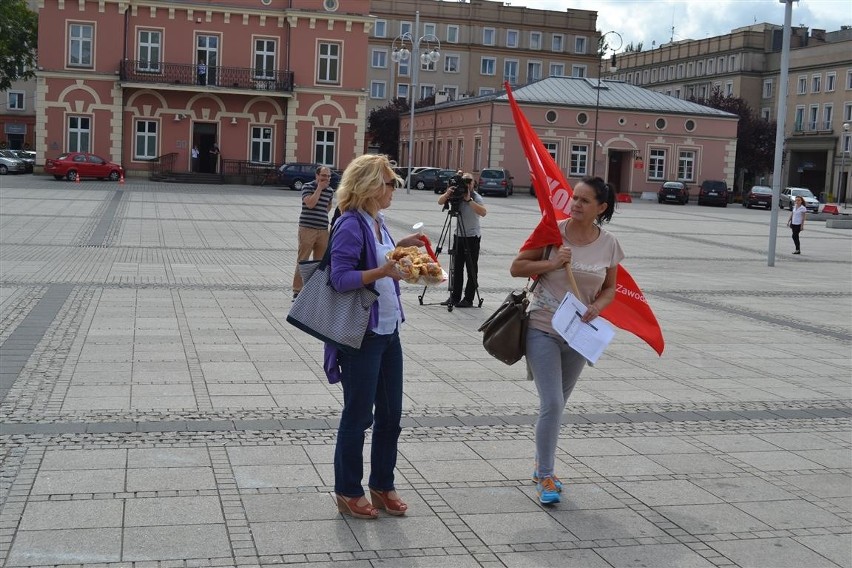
[
  {"x": 11, "y": 163},
  {"x": 789, "y": 194},
  {"x": 73, "y": 165},
  {"x": 758, "y": 196},
  {"x": 403, "y": 171},
  {"x": 673, "y": 192},
  {"x": 444, "y": 179},
  {"x": 27, "y": 157},
  {"x": 497, "y": 181},
  {"x": 297, "y": 174},
  {"x": 425, "y": 178},
  {"x": 713, "y": 192}
]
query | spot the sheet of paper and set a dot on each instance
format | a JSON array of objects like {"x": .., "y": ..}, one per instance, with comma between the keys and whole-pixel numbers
[{"x": 587, "y": 339}]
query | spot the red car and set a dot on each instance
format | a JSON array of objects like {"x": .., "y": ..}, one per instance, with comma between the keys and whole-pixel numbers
[{"x": 72, "y": 165}]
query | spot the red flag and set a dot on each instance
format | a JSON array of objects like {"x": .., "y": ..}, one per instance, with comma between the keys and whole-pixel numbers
[{"x": 629, "y": 310}]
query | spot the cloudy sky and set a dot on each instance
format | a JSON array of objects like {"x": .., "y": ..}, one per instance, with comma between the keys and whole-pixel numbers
[{"x": 652, "y": 20}]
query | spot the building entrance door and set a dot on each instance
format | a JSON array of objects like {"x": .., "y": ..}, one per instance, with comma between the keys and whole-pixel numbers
[{"x": 205, "y": 134}]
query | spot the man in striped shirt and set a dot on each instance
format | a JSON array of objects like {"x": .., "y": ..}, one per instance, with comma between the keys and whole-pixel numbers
[{"x": 313, "y": 221}]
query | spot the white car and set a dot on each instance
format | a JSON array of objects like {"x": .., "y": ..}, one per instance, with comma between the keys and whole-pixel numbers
[{"x": 789, "y": 195}]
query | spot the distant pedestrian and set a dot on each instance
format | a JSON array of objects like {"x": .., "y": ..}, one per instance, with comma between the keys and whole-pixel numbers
[
  {"x": 313, "y": 222},
  {"x": 796, "y": 222},
  {"x": 195, "y": 154},
  {"x": 202, "y": 72},
  {"x": 214, "y": 157}
]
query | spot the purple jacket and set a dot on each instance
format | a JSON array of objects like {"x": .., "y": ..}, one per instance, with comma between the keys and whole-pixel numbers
[{"x": 349, "y": 238}]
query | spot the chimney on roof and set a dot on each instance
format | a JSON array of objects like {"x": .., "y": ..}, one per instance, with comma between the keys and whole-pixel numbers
[{"x": 818, "y": 35}]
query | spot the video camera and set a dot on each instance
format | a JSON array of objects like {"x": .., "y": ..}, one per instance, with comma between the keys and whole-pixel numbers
[{"x": 459, "y": 185}]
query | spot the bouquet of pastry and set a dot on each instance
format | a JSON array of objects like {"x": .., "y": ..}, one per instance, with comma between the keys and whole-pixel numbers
[{"x": 417, "y": 267}]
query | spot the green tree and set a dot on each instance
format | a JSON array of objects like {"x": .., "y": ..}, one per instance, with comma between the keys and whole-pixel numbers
[
  {"x": 755, "y": 136},
  {"x": 383, "y": 124},
  {"x": 18, "y": 41}
]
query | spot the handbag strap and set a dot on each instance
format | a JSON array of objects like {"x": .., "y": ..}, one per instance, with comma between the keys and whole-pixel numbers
[
  {"x": 326, "y": 258},
  {"x": 536, "y": 281}
]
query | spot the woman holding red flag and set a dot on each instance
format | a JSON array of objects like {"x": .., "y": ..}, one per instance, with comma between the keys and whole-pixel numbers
[{"x": 592, "y": 255}]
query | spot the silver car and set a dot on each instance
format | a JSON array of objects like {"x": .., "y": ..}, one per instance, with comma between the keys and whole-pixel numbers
[
  {"x": 789, "y": 195},
  {"x": 10, "y": 163}
]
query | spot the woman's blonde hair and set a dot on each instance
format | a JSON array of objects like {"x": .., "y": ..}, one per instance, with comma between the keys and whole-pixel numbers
[{"x": 363, "y": 183}]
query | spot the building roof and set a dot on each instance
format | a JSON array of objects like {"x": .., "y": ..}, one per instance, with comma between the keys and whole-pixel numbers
[{"x": 583, "y": 92}]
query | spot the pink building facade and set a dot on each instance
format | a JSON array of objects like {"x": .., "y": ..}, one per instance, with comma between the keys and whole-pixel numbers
[
  {"x": 642, "y": 138},
  {"x": 265, "y": 81}
]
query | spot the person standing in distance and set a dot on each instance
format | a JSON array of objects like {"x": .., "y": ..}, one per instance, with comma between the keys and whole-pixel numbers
[
  {"x": 195, "y": 155},
  {"x": 202, "y": 72},
  {"x": 313, "y": 222},
  {"x": 796, "y": 222},
  {"x": 466, "y": 246}
]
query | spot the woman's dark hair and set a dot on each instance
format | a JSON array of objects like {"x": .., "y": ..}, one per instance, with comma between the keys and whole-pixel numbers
[{"x": 604, "y": 193}]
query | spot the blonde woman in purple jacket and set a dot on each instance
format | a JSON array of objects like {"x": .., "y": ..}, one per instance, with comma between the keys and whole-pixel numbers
[{"x": 372, "y": 375}]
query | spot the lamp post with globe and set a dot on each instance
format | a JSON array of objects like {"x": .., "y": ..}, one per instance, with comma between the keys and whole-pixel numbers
[
  {"x": 402, "y": 53},
  {"x": 604, "y": 47}
]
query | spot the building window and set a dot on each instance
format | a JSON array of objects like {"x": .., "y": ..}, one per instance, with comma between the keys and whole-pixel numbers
[
  {"x": 451, "y": 63},
  {"x": 261, "y": 144},
  {"x": 579, "y": 45},
  {"x": 663, "y": 74},
  {"x": 324, "y": 147},
  {"x": 80, "y": 37},
  {"x": 766, "y": 114},
  {"x": 451, "y": 92},
  {"x": 689, "y": 125},
  {"x": 646, "y": 74},
  {"x": 535, "y": 40},
  {"x": 379, "y": 59},
  {"x": 557, "y": 43},
  {"x": 653, "y": 75},
  {"x": 429, "y": 65},
  {"x": 711, "y": 63},
  {"x": 426, "y": 91},
  {"x": 816, "y": 83},
  {"x": 680, "y": 71},
  {"x": 827, "y": 116},
  {"x": 582, "y": 118},
  {"x": 700, "y": 69},
  {"x": 830, "y": 82},
  {"x": 486, "y": 90},
  {"x": 557, "y": 69},
  {"x": 15, "y": 100},
  {"x": 402, "y": 90},
  {"x": 660, "y": 123},
  {"x": 510, "y": 71},
  {"x": 146, "y": 140},
  {"x": 799, "y": 121},
  {"x": 686, "y": 165},
  {"x": 477, "y": 154},
  {"x": 677, "y": 93},
  {"x": 404, "y": 28},
  {"x": 813, "y": 114},
  {"x": 552, "y": 149},
  {"x": 452, "y": 33},
  {"x": 264, "y": 58},
  {"x": 847, "y": 143},
  {"x": 578, "y": 70},
  {"x": 849, "y": 80},
  {"x": 488, "y": 35},
  {"x": 847, "y": 112},
  {"x": 488, "y": 66},
  {"x": 79, "y": 133},
  {"x": 380, "y": 28},
  {"x": 403, "y": 69},
  {"x": 430, "y": 30},
  {"x": 579, "y": 160},
  {"x": 721, "y": 64},
  {"x": 689, "y": 69},
  {"x": 377, "y": 89},
  {"x": 702, "y": 92},
  {"x": 533, "y": 71},
  {"x": 512, "y": 38},
  {"x": 729, "y": 89},
  {"x": 732, "y": 63},
  {"x": 149, "y": 51},
  {"x": 657, "y": 165},
  {"x": 802, "y": 85},
  {"x": 328, "y": 65},
  {"x": 551, "y": 116},
  {"x": 767, "y": 89}
]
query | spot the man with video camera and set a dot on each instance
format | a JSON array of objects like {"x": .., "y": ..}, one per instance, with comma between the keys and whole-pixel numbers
[{"x": 464, "y": 202}]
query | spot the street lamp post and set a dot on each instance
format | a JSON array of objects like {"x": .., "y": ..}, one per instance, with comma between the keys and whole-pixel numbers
[
  {"x": 431, "y": 54},
  {"x": 603, "y": 47},
  {"x": 841, "y": 186}
]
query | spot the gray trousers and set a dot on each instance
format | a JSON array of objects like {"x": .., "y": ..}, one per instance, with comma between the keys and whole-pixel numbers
[{"x": 555, "y": 368}]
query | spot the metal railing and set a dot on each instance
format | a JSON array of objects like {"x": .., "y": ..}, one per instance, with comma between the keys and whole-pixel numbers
[
  {"x": 162, "y": 166},
  {"x": 188, "y": 74},
  {"x": 247, "y": 172}
]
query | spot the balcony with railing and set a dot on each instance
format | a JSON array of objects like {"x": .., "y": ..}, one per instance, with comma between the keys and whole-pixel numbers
[
  {"x": 803, "y": 128},
  {"x": 241, "y": 78}
]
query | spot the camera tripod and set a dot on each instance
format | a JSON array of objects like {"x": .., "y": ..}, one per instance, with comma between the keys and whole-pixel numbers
[{"x": 447, "y": 232}]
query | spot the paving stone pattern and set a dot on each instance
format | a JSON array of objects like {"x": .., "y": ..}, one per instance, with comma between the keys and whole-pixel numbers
[{"x": 157, "y": 410}]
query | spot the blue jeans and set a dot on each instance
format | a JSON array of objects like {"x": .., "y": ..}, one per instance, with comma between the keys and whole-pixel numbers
[
  {"x": 555, "y": 368},
  {"x": 371, "y": 377}
]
